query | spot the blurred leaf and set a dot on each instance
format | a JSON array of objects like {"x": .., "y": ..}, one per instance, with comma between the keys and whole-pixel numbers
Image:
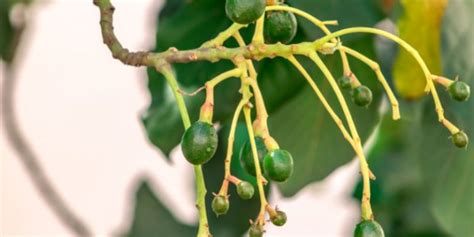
[
  {"x": 453, "y": 176},
  {"x": 152, "y": 218},
  {"x": 417, "y": 166},
  {"x": 420, "y": 26}
]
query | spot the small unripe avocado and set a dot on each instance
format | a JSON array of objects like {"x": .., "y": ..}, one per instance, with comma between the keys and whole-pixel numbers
[
  {"x": 280, "y": 26},
  {"x": 460, "y": 139},
  {"x": 199, "y": 143},
  {"x": 362, "y": 96},
  {"x": 220, "y": 205},
  {"x": 279, "y": 219},
  {"x": 244, "y": 11},
  {"x": 368, "y": 229},
  {"x": 245, "y": 190},
  {"x": 278, "y": 165},
  {"x": 459, "y": 91}
]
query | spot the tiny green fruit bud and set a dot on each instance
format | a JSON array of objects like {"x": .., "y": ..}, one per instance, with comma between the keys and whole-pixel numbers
[
  {"x": 460, "y": 139},
  {"x": 362, "y": 96},
  {"x": 244, "y": 11},
  {"x": 280, "y": 26},
  {"x": 279, "y": 219},
  {"x": 345, "y": 82},
  {"x": 199, "y": 143},
  {"x": 245, "y": 190},
  {"x": 368, "y": 229},
  {"x": 220, "y": 205},
  {"x": 459, "y": 91},
  {"x": 278, "y": 165},
  {"x": 256, "y": 231}
]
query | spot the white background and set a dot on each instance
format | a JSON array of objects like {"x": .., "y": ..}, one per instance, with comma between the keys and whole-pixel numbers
[{"x": 80, "y": 110}]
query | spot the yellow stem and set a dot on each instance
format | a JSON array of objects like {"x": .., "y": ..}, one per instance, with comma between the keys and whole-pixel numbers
[
  {"x": 321, "y": 97},
  {"x": 201, "y": 191},
  {"x": 376, "y": 67},
  {"x": 261, "y": 127},
  {"x": 258, "y": 171},
  {"x": 258, "y": 35},
  {"x": 366, "y": 209},
  {"x": 230, "y": 142}
]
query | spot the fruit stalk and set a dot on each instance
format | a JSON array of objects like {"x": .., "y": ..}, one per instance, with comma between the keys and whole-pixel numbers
[
  {"x": 230, "y": 142},
  {"x": 200, "y": 184},
  {"x": 258, "y": 171}
]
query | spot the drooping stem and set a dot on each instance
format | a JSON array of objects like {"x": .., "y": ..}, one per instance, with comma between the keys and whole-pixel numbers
[
  {"x": 364, "y": 167},
  {"x": 200, "y": 184},
  {"x": 258, "y": 170},
  {"x": 323, "y": 99},
  {"x": 430, "y": 85},
  {"x": 230, "y": 141}
]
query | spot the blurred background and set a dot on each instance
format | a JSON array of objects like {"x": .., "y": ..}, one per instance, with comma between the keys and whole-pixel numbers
[{"x": 81, "y": 113}]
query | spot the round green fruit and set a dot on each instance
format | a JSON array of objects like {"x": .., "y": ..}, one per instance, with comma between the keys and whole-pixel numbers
[
  {"x": 256, "y": 231},
  {"x": 246, "y": 155},
  {"x": 362, "y": 96},
  {"x": 279, "y": 219},
  {"x": 459, "y": 91},
  {"x": 199, "y": 143},
  {"x": 220, "y": 205},
  {"x": 244, "y": 11},
  {"x": 368, "y": 229},
  {"x": 280, "y": 27},
  {"x": 245, "y": 190},
  {"x": 278, "y": 165},
  {"x": 345, "y": 82},
  {"x": 460, "y": 139}
]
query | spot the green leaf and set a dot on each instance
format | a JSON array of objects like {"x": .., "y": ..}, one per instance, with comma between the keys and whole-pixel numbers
[{"x": 152, "y": 218}]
